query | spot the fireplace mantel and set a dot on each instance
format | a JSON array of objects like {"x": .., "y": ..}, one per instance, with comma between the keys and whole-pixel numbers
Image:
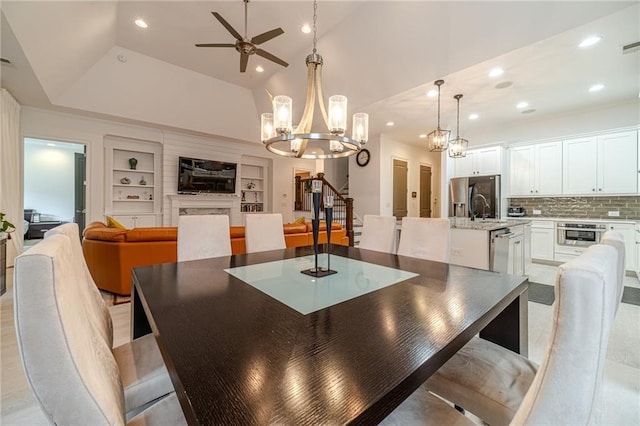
[{"x": 230, "y": 202}]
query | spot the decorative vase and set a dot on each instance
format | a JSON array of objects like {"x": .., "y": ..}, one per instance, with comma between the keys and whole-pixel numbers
[{"x": 133, "y": 162}]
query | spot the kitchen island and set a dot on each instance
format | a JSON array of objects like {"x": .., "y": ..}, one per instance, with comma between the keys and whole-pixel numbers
[{"x": 491, "y": 244}]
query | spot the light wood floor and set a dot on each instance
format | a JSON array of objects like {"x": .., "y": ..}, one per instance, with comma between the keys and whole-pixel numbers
[{"x": 621, "y": 388}]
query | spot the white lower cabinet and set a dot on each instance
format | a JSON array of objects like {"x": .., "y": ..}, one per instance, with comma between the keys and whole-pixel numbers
[
  {"x": 542, "y": 240},
  {"x": 628, "y": 231},
  {"x": 137, "y": 221},
  {"x": 469, "y": 247}
]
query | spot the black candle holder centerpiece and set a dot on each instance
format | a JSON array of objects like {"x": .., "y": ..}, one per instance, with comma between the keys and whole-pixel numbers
[{"x": 316, "y": 192}]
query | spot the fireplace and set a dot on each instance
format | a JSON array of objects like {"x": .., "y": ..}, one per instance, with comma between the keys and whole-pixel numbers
[{"x": 200, "y": 204}]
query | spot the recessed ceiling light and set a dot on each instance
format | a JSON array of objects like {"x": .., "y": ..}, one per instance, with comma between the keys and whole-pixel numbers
[
  {"x": 495, "y": 72},
  {"x": 390, "y": 123},
  {"x": 122, "y": 58},
  {"x": 432, "y": 93},
  {"x": 596, "y": 87},
  {"x": 259, "y": 68},
  {"x": 473, "y": 116},
  {"x": 522, "y": 105},
  {"x": 306, "y": 29},
  {"x": 590, "y": 41},
  {"x": 422, "y": 136},
  {"x": 141, "y": 23}
]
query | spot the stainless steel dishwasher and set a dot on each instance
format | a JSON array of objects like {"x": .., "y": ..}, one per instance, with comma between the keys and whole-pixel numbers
[{"x": 506, "y": 250}]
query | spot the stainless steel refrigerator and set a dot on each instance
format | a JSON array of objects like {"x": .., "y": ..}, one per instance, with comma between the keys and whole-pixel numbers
[{"x": 475, "y": 197}]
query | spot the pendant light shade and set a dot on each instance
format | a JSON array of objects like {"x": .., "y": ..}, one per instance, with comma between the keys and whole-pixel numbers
[
  {"x": 458, "y": 146},
  {"x": 438, "y": 139}
]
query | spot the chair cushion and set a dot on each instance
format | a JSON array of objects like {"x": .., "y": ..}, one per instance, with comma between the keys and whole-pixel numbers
[
  {"x": 167, "y": 411},
  {"x": 486, "y": 379},
  {"x": 422, "y": 408},
  {"x": 105, "y": 234},
  {"x": 142, "y": 370}
]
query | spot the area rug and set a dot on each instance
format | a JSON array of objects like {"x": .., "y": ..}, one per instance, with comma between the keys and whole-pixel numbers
[{"x": 543, "y": 293}]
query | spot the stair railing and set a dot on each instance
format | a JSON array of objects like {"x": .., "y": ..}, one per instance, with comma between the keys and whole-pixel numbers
[{"x": 342, "y": 206}]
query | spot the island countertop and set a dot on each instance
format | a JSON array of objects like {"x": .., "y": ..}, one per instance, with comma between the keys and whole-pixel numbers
[{"x": 485, "y": 224}]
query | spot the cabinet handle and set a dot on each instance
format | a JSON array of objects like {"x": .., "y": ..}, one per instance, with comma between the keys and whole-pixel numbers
[
  {"x": 593, "y": 189},
  {"x": 531, "y": 191},
  {"x": 599, "y": 189}
]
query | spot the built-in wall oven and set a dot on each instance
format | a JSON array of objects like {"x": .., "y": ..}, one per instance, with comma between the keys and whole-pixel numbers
[{"x": 579, "y": 234}]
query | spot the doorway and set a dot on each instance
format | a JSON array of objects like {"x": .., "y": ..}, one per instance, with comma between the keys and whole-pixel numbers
[
  {"x": 425, "y": 191},
  {"x": 299, "y": 192},
  {"x": 54, "y": 186},
  {"x": 400, "y": 175}
]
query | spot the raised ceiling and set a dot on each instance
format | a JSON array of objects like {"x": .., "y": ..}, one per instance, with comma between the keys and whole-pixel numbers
[{"x": 89, "y": 57}]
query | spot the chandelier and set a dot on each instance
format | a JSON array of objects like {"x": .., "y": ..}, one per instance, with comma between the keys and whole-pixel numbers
[
  {"x": 438, "y": 139},
  {"x": 458, "y": 146},
  {"x": 277, "y": 132}
]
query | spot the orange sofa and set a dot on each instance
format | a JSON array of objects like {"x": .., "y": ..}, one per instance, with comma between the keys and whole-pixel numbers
[{"x": 111, "y": 253}]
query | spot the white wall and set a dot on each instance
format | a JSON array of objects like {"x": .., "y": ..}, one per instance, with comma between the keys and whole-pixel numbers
[
  {"x": 37, "y": 123},
  {"x": 49, "y": 178},
  {"x": 372, "y": 186}
]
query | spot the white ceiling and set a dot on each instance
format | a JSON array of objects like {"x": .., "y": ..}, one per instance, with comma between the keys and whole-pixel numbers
[{"x": 384, "y": 55}]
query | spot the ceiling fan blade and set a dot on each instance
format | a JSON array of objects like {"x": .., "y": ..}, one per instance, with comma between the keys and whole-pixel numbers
[
  {"x": 215, "y": 45},
  {"x": 259, "y": 39},
  {"x": 270, "y": 57},
  {"x": 227, "y": 26},
  {"x": 244, "y": 59}
]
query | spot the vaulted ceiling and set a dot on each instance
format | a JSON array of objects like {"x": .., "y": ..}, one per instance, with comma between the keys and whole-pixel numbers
[{"x": 89, "y": 58}]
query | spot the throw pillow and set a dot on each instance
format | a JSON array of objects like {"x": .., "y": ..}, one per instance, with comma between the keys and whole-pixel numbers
[
  {"x": 300, "y": 220},
  {"x": 112, "y": 223}
]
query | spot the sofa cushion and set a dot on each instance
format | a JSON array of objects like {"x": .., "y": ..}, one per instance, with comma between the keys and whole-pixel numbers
[
  {"x": 323, "y": 226},
  {"x": 300, "y": 220},
  {"x": 112, "y": 223},
  {"x": 105, "y": 234},
  {"x": 152, "y": 234}
]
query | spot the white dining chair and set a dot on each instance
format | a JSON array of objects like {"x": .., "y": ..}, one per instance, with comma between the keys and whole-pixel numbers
[
  {"x": 378, "y": 233},
  {"x": 502, "y": 387},
  {"x": 69, "y": 366},
  {"x": 203, "y": 236},
  {"x": 263, "y": 232},
  {"x": 143, "y": 373},
  {"x": 616, "y": 240},
  {"x": 425, "y": 238}
]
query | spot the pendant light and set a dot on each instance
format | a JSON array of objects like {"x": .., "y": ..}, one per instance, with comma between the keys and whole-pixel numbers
[
  {"x": 279, "y": 136},
  {"x": 458, "y": 146},
  {"x": 438, "y": 139}
]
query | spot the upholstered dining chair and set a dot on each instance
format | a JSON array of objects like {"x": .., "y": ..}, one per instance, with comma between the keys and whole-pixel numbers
[
  {"x": 616, "y": 240},
  {"x": 502, "y": 387},
  {"x": 203, "y": 236},
  {"x": 425, "y": 238},
  {"x": 142, "y": 370},
  {"x": 69, "y": 366},
  {"x": 264, "y": 231},
  {"x": 378, "y": 233}
]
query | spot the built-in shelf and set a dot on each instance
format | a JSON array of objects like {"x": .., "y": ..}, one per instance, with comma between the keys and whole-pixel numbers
[
  {"x": 252, "y": 187},
  {"x": 118, "y": 153}
]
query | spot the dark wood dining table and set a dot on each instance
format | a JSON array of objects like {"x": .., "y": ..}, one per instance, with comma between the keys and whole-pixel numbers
[{"x": 236, "y": 355}]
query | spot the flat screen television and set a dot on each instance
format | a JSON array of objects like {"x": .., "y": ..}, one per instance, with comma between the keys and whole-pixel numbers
[{"x": 196, "y": 176}]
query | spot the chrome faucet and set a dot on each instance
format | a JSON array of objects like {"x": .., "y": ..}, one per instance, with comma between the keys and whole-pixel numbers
[{"x": 485, "y": 205}]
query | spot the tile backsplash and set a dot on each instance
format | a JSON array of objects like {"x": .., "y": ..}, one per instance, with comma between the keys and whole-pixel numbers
[{"x": 581, "y": 207}]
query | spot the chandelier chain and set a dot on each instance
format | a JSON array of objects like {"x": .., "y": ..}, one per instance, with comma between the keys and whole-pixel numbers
[
  {"x": 315, "y": 28},
  {"x": 458, "y": 120},
  {"x": 439, "y": 106}
]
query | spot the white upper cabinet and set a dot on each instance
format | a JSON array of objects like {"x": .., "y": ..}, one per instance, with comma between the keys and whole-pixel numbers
[
  {"x": 479, "y": 162},
  {"x": 536, "y": 170},
  {"x": 606, "y": 164}
]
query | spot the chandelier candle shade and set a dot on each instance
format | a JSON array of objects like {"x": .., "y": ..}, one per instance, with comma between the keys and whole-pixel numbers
[
  {"x": 280, "y": 138},
  {"x": 438, "y": 139},
  {"x": 458, "y": 146}
]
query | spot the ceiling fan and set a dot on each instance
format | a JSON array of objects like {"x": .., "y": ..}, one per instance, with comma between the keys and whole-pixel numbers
[{"x": 247, "y": 46}]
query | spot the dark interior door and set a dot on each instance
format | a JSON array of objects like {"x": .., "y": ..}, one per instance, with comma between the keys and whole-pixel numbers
[
  {"x": 400, "y": 171},
  {"x": 425, "y": 191},
  {"x": 80, "y": 185}
]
